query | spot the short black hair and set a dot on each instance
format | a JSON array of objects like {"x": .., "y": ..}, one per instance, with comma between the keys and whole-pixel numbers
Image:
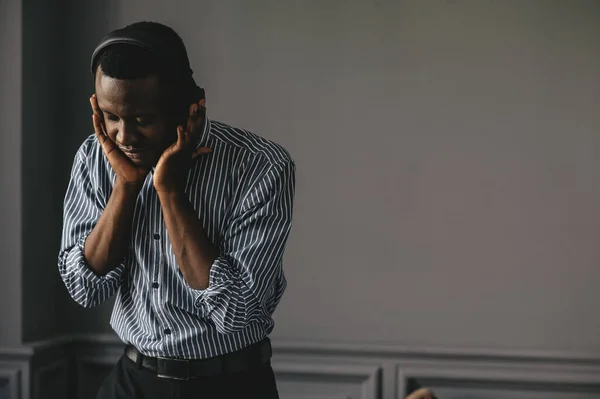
[{"x": 125, "y": 61}]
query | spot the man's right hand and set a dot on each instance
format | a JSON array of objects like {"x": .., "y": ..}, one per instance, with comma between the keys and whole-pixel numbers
[{"x": 127, "y": 173}]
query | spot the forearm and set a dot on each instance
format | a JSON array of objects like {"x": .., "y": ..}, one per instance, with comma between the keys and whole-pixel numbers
[
  {"x": 194, "y": 251},
  {"x": 107, "y": 243}
]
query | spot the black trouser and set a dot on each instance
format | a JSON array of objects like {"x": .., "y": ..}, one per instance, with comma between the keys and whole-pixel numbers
[{"x": 127, "y": 380}]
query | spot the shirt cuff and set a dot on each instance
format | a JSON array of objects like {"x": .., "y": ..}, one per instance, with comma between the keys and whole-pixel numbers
[
  {"x": 220, "y": 279},
  {"x": 90, "y": 279}
]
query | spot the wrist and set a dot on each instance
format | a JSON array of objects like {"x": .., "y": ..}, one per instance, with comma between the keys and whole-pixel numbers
[
  {"x": 171, "y": 196},
  {"x": 168, "y": 187},
  {"x": 128, "y": 190}
]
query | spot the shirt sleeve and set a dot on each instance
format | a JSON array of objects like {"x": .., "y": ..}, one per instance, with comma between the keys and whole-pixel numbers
[
  {"x": 242, "y": 280},
  {"x": 82, "y": 209}
]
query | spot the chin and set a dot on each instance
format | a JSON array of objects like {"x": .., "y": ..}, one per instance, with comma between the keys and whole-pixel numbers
[{"x": 141, "y": 162}]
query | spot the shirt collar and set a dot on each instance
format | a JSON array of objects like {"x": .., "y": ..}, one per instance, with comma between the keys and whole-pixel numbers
[{"x": 205, "y": 134}]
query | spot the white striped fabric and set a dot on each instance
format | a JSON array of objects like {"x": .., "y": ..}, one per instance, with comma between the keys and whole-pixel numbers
[{"x": 243, "y": 192}]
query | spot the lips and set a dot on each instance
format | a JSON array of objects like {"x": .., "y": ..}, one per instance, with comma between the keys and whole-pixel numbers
[{"x": 134, "y": 152}]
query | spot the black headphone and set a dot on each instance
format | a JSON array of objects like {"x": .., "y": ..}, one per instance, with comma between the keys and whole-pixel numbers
[{"x": 173, "y": 53}]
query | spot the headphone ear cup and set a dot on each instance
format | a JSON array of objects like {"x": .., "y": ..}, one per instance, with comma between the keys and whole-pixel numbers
[
  {"x": 193, "y": 95},
  {"x": 198, "y": 94}
]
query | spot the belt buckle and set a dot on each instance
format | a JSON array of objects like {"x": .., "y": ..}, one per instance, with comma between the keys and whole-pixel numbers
[{"x": 162, "y": 361}]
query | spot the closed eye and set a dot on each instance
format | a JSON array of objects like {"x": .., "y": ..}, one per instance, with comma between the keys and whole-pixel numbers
[
  {"x": 111, "y": 117},
  {"x": 145, "y": 121}
]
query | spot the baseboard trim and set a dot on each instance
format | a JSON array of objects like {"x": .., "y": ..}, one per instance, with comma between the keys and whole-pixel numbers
[
  {"x": 416, "y": 352},
  {"x": 352, "y": 349},
  {"x": 12, "y": 376}
]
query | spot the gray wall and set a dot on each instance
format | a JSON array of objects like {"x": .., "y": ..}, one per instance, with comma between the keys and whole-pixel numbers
[
  {"x": 10, "y": 171},
  {"x": 447, "y": 195},
  {"x": 447, "y": 154},
  {"x": 37, "y": 143},
  {"x": 30, "y": 144},
  {"x": 44, "y": 118},
  {"x": 81, "y": 36}
]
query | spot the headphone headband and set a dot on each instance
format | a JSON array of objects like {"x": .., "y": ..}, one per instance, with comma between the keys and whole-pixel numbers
[
  {"x": 172, "y": 53},
  {"x": 156, "y": 44}
]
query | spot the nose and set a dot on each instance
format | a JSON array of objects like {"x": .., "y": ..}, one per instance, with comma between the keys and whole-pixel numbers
[{"x": 127, "y": 134}]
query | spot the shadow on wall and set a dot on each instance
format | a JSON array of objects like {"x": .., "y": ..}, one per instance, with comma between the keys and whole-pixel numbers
[
  {"x": 94, "y": 21},
  {"x": 56, "y": 119}
]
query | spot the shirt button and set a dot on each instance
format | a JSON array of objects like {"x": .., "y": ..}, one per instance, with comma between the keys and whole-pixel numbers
[
  {"x": 167, "y": 331},
  {"x": 156, "y": 236},
  {"x": 154, "y": 285}
]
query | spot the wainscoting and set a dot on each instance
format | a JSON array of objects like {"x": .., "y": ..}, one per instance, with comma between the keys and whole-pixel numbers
[
  {"x": 14, "y": 372},
  {"x": 73, "y": 367}
]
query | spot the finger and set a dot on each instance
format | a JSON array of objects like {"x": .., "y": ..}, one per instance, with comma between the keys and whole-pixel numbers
[
  {"x": 94, "y": 104},
  {"x": 107, "y": 145},
  {"x": 96, "y": 111},
  {"x": 192, "y": 121},
  {"x": 201, "y": 110},
  {"x": 180, "y": 136},
  {"x": 201, "y": 151},
  {"x": 423, "y": 393},
  {"x": 98, "y": 128}
]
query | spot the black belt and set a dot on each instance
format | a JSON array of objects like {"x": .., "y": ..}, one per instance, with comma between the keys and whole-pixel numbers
[{"x": 184, "y": 369}]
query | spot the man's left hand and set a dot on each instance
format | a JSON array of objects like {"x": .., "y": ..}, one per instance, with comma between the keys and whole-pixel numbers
[{"x": 172, "y": 167}]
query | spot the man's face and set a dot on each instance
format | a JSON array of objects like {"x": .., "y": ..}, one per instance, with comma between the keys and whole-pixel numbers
[{"x": 136, "y": 116}]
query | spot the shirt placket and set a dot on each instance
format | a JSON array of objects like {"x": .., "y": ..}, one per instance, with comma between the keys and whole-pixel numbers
[{"x": 157, "y": 270}]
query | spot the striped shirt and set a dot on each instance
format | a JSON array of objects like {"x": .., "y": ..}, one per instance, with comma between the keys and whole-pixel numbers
[{"x": 243, "y": 193}]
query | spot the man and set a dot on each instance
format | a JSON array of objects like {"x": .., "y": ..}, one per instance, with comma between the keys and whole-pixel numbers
[{"x": 184, "y": 219}]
